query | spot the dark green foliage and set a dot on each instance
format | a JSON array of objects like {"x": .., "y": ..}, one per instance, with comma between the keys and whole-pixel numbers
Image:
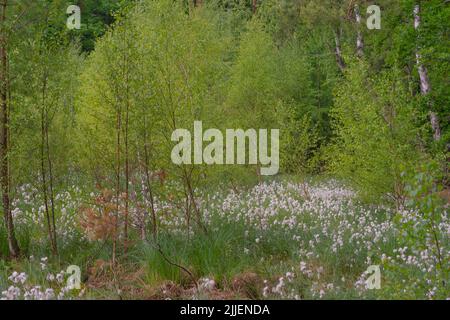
[{"x": 96, "y": 17}]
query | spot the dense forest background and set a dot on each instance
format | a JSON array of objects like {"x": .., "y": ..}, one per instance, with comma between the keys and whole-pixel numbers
[{"x": 86, "y": 117}]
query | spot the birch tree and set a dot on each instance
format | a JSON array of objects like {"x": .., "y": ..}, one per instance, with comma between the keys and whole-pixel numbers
[
  {"x": 5, "y": 178},
  {"x": 359, "y": 37},
  {"x": 425, "y": 86},
  {"x": 333, "y": 15}
]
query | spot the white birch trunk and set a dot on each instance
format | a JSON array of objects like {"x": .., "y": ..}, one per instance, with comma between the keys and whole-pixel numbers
[
  {"x": 338, "y": 51},
  {"x": 359, "y": 38},
  {"x": 425, "y": 86}
]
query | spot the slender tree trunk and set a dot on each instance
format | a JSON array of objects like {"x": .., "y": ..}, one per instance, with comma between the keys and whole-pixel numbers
[
  {"x": 425, "y": 86},
  {"x": 187, "y": 213},
  {"x": 116, "y": 223},
  {"x": 43, "y": 168},
  {"x": 191, "y": 199},
  {"x": 126, "y": 142},
  {"x": 338, "y": 51},
  {"x": 254, "y": 6},
  {"x": 359, "y": 37},
  {"x": 44, "y": 183},
  {"x": 149, "y": 186},
  {"x": 127, "y": 170},
  {"x": 50, "y": 182},
  {"x": 144, "y": 194},
  {"x": 13, "y": 246}
]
